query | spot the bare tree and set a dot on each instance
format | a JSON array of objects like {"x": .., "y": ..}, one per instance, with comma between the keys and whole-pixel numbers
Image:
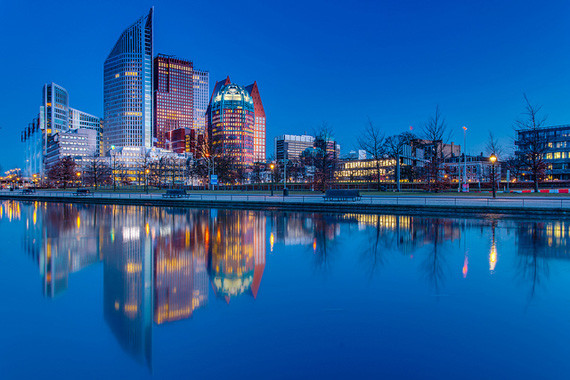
[
  {"x": 373, "y": 142},
  {"x": 436, "y": 135},
  {"x": 63, "y": 171},
  {"x": 394, "y": 147},
  {"x": 531, "y": 141},
  {"x": 325, "y": 157},
  {"x": 515, "y": 166},
  {"x": 96, "y": 172},
  {"x": 493, "y": 146}
]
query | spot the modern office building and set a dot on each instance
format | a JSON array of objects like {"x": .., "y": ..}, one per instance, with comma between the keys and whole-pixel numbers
[
  {"x": 556, "y": 151},
  {"x": 55, "y": 117},
  {"x": 33, "y": 138},
  {"x": 476, "y": 169},
  {"x": 173, "y": 97},
  {"x": 259, "y": 142},
  {"x": 231, "y": 116},
  {"x": 127, "y": 87},
  {"x": 367, "y": 170},
  {"x": 79, "y": 144},
  {"x": 55, "y": 109},
  {"x": 82, "y": 120},
  {"x": 129, "y": 165},
  {"x": 291, "y": 146},
  {"x": 185, "y": 140},
  {"x": 201, "y": 97}
]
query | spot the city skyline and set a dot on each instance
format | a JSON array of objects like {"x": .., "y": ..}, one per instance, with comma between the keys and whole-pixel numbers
[{"x": 477, "y": 75}]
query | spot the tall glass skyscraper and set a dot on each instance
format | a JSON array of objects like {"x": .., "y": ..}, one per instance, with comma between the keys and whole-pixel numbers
[
  {"x": 201, "y": 98},
  {"x": 55, "y": 109},
  {"x": 55, "y": 117},
  {"x": 127, "y": 87}
]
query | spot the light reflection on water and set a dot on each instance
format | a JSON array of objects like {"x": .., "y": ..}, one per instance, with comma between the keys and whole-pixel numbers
[{"x": 161, "y": 265}]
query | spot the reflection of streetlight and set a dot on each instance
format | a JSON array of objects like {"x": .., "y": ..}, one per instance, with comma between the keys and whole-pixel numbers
[
  {"x": 493, "y": 253},
  {"x": 493, "y": 159}
]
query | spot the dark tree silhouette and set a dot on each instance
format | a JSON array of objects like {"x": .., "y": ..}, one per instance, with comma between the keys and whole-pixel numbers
[
  {"x": 394, "y": 147},
  {"x": 531, "y": 142},
  {"x": 435, "y": 135},
  {"x": 373, "y": 142}
]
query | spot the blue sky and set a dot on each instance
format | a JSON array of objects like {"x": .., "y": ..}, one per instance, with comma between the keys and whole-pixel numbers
[{"x": 314, "y": 61}]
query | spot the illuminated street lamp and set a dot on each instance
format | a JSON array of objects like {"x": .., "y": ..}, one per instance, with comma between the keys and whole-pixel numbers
[
  {"x": 272, "y": 166},
  {"x": 78, "y": 174},
  {"x": 493, "y": 159},
  {"x": 146, "y": 179}
]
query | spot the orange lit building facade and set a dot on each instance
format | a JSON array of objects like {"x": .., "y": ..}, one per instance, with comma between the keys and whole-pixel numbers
[
  {"x": 236, "y": 122},
  {"x": 173, "y": 98},
  {"x": 259, "y": 124}
]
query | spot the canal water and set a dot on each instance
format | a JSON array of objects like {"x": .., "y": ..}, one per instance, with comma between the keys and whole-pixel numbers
[{"x": 93, "y": 291}]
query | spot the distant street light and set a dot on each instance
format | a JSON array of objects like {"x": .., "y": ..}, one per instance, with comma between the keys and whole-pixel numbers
[
  {"x": 146, "y": 180},
  {"x": 493, "y": 159},
  {"x": 272, "y": 166}
]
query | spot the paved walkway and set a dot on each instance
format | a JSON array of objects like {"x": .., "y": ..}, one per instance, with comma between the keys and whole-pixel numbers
[{"x": 482, "y": 202}]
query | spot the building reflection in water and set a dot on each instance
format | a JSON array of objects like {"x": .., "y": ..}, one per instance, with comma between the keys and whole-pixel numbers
[
  {"x": 236, "y": 257},
  {"x": 538, "y": 242},
  {"x": 159, "y": 263},
  {"x": 127, "y": 279}
]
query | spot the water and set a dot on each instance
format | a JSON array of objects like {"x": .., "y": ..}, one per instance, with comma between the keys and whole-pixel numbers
[{"x": 126, "y": 291}]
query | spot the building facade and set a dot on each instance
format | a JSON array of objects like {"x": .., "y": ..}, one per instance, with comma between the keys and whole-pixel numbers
[
  {"x": 476, "y": 169},
  {"x": 367, "y": 170},
  {"x": 553, "y": 143},
  {"x": 173, "y": 97},
  {"x": 201, "y": 98},
  {"x": 291, "y": 146},
  {"x": 79, "y": 144},
  {"x": 55, "y": 117},
  {"x": 82, "y": 120},
  {"x": 259, "y": 142},
  {"x": 186, "y": 140},
  {"x": 127, "y": 87},
  {"x": 231, "y": 116}
]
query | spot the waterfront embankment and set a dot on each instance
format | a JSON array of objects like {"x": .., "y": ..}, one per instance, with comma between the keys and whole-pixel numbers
[{"x": 410, "y": 204}]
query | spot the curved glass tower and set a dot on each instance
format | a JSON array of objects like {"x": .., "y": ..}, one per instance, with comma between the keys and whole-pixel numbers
[
  {"x": 231, "y": 122},
  {"x": 127, "y": 87}
]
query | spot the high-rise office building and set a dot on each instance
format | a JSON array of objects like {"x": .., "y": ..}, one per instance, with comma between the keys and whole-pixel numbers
[
  {"x": 55, "y": 117},
  {"x": 201, "y": 94},
  {"x": 82, "y": 120},
  {"x": 231, "y": 122},
  {"x": 173, "y": 97},
  {"x": 291, "y": 146},
  {"x": 127, "y": 87},
  {"x": 55, "y": 108},
  {"x": 259, "y": 126}
]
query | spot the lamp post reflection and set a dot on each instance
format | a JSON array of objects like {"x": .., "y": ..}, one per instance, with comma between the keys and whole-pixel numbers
[{"x": 493, "y": 253}]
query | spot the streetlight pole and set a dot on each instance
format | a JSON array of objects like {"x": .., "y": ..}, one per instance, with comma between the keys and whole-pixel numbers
[
  {"x": 464, "y": 155},
  {"x": 285, "y": 161},
  {"x": 146, "y": 180},
  {"x": 271, "y": 166},
  {"x": 493, "y": 159}
]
